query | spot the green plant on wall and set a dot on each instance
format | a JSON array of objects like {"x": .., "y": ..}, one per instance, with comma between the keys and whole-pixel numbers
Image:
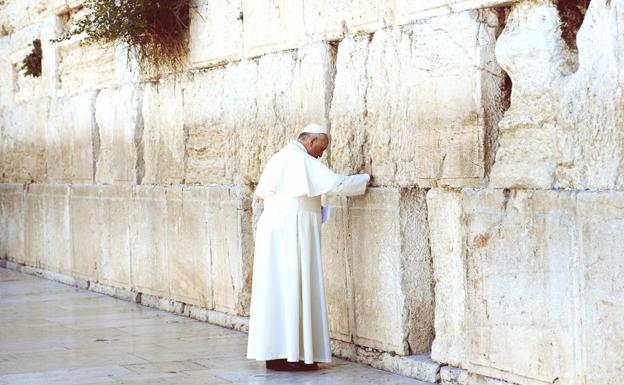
[
  {"x": 156, "y": 32},
  {"x": 31, "y": 65}
]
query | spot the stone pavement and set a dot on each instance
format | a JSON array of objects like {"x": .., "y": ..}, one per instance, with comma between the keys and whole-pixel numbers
[{"x": 51, "y": 334}]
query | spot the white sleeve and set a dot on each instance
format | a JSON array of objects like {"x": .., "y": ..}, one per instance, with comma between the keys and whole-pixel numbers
[{"x": 351, "y": 185}]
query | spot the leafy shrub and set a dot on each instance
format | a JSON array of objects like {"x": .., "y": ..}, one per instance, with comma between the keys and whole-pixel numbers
[
  {"x": 155, "y": 31},
  {"x": 31, "y": 65}
]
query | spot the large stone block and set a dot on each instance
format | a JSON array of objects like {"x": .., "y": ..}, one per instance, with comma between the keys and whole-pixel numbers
[
  {"x": 148, "y": 226},
  {"x": 57, "y": 252},
  {"x": 163, "y": 133},
  {"x": 563, "y": 126},
  {"x": 271, "y": 25},
  {"x": 376, "y": 248},
  {"x": 539, "y": 279},
  {"x": 393, "y": 301},
  {"x": 86, "y": 66},
  {"x": 337, "y": 269},
  {"x": 86, "y": 234},
  {"x": 12, "y": 209},
  {"x": 34, "y": 214},
  {"x": 71, "y": 139},
  {"x": 449, "y": 266},
  {"x": 208, "y": 149},
  {"x": 189, "y": 245},
  {"x": 216, "y": 32},
  {"x": 114, "y": 264},
  {"x": 22, "y": 141},
  {"x": 442, "y": 130},
  {"x": 229, "y": 228},
  {"x": 119, "y": 124}
]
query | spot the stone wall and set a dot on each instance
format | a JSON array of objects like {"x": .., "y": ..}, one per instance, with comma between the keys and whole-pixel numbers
[{"x": 486, "y": 241}]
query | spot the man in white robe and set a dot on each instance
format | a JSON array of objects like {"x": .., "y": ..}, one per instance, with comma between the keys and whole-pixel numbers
[{"x": 288, "y": 325}]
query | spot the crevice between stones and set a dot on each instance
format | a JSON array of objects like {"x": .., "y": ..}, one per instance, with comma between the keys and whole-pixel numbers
[{"x": 138, "y": 141}]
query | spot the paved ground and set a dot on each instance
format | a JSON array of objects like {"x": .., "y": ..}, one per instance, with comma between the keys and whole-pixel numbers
[{"x": 51, "y": 334}]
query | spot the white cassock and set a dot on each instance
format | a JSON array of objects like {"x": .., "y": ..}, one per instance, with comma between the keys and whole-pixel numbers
[{"x": 288, "y": 315}]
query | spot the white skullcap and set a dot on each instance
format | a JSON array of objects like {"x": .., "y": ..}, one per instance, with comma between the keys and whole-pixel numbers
[{"x": 314, "y": 128}]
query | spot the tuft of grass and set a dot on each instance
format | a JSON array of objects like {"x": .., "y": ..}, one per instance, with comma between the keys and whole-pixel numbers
[
  {"x": 154, "y": 31},
  {"x": 31, "y": 65}
]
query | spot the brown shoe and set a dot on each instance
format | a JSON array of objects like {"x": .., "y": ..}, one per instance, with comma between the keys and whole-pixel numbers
[{"x": 275, "y": 364}]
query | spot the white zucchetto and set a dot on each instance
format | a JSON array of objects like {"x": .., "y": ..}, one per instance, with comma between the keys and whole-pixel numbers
[{"x": 314, "y": 128}]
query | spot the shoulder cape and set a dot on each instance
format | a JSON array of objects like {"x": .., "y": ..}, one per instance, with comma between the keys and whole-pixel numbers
[{"x": 293, "y": 172}]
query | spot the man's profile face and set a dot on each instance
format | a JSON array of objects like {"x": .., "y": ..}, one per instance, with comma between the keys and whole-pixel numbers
[{"x": 318, "y": 145}]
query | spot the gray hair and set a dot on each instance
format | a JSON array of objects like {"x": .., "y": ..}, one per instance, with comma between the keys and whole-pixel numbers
[{"x": 306, "y": 135}]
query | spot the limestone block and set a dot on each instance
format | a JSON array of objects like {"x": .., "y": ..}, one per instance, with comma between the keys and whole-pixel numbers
[
  {"x": 209, "y": 149},
  {"x": 22, "y": 141},
  {"x": 7, "y": 78},
  {"x": 238, "y": 116},
  {"x": 271, "y": 25},
  {"x": 57, "y": 249},
  {"x": 189, "y": 245},
  {"x": 313, "y": 85},
  {"x": 163, "y": 133},
  {"x": 330, "y": 20},
  {"x": 231, "y": 249},
  {"x": 12, "y": 208},
  {"x": 598, "y": 279},
  {"x": 114, "y": 265},
  {"x": 337, "y": 268},
  {"x": 21, "y": 14},
  {"x": 72, "y": 138},
  {"x": 216, "y": 32},
  {"x": 449, "y": 265},
  {"x": 453, "y": 376},
  {"x": 33, "y": 227},
  {"x": 442, "y": 129},
  {"x": 148, "y": 227},
  {"x": 86, "y": 67},
  {"x": 540, "y": 280},
  {"x": 118, "y": 118},
  {"x": 391, "y": 271},
  {"x": 562, "y": 129},
  {"x": 86, "y": 234},
  {"x": 408, "y": 11}
]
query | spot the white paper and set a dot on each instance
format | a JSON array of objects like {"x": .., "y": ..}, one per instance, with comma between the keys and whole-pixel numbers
[{"x": 325, "y": 211}]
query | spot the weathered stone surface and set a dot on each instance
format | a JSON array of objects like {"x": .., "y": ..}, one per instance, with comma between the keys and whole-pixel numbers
[
  {"x": 86, "y": 234},
  {"x": 231, "y": 249},
  {"x": 114, "y": 262},
  {"x": 34, "y": 214},
  {"x": 216, "y": 32},
  {"x": 189, "y": 245},
  {"x": 265, "y": 24},
  {"x": 163, "y": 133},
  {"x": 255, "y": 108},
  {"x": 148, "y": 227},
  {"x": 71, "y": 139},
  {"x": 449, "y": 265},
  {"x": 57, "y": 242},
  {"x": 391, "y": 272},
  {"x": 337, "y": 269},
  {"x": 540, "y": 272},
  {"x": 411, "y": 134},
  {"x": 22, "y": 141},
  {"x": 563, "y": 127},
  {"x": 119, "y": 122},
  {"x": 208, "y": 153},
  {"x": 84, "y": 67},
  {"x": 13, "y": 210},
  {"x": 453, "y": 376}
]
